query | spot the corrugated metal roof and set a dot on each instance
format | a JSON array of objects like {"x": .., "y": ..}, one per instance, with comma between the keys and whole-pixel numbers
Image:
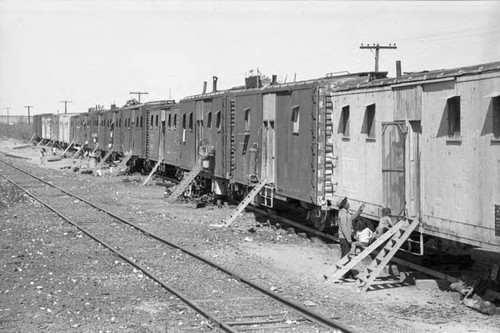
[{"x": 421, "y": 76}]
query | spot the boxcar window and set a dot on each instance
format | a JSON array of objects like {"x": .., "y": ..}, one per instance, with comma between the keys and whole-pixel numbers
[
  {"x": 191, "y": 121},
  {"x": 184, "y": 121},
  {"x": 295, "y": 119},
  {"x": 247, "y": 121},
  {"x": 496, "y": 117},
  {"x": 137, "y": 121},
  {"x": 209, "y": 120},
  {"x": 175, "y": 121},
  {"x": 369, "y": 121},
  {"x": 151, "y": 122},
  {"x": 156, "y": 121},
  {"x": 218, "y": 120},
  {"x": 453, "y": 105},
  {"x": 169, "y": 123},
  {"x": 344, "y": 121},
  {"x": 141, "y": 121}
]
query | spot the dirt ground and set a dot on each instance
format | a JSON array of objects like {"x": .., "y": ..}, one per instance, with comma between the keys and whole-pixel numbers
[{"x": 287, "y": 263}]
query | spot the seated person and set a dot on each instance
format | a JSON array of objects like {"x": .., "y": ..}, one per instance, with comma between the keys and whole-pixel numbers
[
  {"x": 385, "y": 223},
  {"x": 363, "y": 236}
]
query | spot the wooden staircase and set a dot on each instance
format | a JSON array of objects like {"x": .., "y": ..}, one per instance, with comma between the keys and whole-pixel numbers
[
  {"x": 249, "y": 198},
  {"x": 151, "y": 173},
  {"x": 99, "y": 165},
  {"x": 393, "y": 239},
  {"x": 123, "y": 163},
  {"x": 186, "y": 181}
]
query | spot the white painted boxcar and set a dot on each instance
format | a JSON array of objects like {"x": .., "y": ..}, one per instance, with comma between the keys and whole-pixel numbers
[{"x": 427, "y": 146}]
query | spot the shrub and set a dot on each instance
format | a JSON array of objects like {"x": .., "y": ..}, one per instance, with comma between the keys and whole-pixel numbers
[{"x": 21, "y": 131}]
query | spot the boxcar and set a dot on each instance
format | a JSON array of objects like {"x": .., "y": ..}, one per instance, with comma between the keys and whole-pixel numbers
[
  {"x": 46, "y": 126},
  {"x": 427, "y": 146}
]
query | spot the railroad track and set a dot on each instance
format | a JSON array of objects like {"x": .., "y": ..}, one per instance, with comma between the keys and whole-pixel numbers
[{"x": 230, "y": 302}]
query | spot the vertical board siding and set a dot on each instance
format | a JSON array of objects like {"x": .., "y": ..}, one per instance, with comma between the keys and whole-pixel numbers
[{"x": 408, "y": 103}]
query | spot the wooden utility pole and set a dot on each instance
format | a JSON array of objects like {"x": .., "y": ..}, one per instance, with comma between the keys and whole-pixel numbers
[
  {"x": 66, "y": 105},
  {"x": 139, "y": 93},
  {"x": 29, "y": 108},
  {"x": 8, "y": 109},
  {"x": 377, "y": 48}
]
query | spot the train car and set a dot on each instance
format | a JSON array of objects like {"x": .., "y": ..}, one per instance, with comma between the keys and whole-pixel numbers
[
  {"x": 46, "y": 126},
  {"x": 172, "y": 142},
  {"x": 155, "y": 133},
  {"x": 75, "y": 129},
  {"x": 39, "y": 125},
  {"x": 128, "y": 129},
  {"x": 64, "y": 128},
  {"x": 427, "y": 146},
  {"x": 205, "y": 132}
]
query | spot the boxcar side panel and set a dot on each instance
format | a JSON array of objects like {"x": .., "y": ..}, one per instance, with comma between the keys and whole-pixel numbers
[{"x": 461, "y": 173}]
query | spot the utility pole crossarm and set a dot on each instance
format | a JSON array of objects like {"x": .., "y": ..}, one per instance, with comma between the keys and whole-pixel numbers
[
  {"x": 377, "y": 47},
  {"x": 139, "y": 93},
  {"x": 66, "y": 105}
]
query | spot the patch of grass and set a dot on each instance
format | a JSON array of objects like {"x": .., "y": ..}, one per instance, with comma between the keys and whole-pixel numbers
[{"x": 22, "y": 132}]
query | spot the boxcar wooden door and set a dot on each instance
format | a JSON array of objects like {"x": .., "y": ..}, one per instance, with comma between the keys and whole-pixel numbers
[
  {"x": 393, "y": 166},
  {"x": 268, "y": 138}
]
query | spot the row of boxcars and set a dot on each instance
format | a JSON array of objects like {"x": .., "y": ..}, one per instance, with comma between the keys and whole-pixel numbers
[{"x": 425, "y": 144}]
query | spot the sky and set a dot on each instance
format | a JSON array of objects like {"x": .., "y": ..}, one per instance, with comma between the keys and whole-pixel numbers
[{"x": 97, "y": 52}]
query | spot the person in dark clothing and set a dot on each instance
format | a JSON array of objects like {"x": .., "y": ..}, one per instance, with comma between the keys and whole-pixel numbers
[{"x": 345, "y": 228}]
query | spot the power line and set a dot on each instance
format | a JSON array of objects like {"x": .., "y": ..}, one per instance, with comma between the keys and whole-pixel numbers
[
  {"x": 66, "y": 105},
  {"x": 377, "y": 48},
  {"x": 460, "y": 33},
  {"x": 29, "y": 109}
]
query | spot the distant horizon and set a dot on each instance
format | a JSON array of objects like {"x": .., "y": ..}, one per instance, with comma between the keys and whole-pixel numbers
[{"x": 96, "y": 52}]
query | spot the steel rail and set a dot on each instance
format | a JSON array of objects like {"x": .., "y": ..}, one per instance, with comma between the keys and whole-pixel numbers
[
  {"x": 314, "y": 317},
  {"x": 218, "y": 323}
]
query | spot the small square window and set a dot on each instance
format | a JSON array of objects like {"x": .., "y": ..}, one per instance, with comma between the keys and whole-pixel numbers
[
  {"x": 453, "y": 105},
  {"x": 295, "y": 119},
  {"x": 209, "y": 120}
]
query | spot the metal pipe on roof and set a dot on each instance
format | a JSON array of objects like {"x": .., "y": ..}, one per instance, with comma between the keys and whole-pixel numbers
[
  {"x": 214, "y": 85},
  {"x": 398, "y": 69}
]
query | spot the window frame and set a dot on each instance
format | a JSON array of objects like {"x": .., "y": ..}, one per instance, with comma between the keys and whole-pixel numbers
[
  {"x": 295, "y": 117},
  {"x": 454, "y": 126},
  {"x": 218, "y": 121},
  {"x": 370, "y": 119},
  {"x": 345, "y": 121}
]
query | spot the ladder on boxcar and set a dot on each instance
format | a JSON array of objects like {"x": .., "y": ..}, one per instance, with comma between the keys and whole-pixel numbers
[
  {"x": 245, "y": 202},
  {"x": 393, "y": 239},
  {"x": 186, "y": 181}
]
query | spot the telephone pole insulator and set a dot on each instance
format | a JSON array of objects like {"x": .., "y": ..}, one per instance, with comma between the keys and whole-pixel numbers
[
  {"x": 377, "y": 49},
  {"x": 139, "y": 93}
]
